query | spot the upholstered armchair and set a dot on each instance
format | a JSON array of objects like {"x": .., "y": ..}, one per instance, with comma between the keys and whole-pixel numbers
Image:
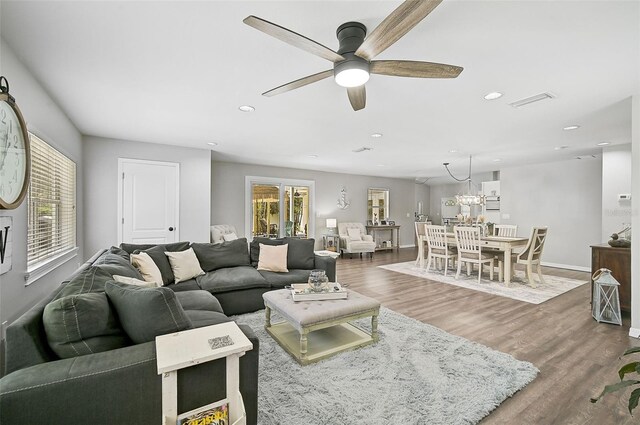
[
  {"x": 218, "y": 232},
  {"x": 354, "y": 239}
]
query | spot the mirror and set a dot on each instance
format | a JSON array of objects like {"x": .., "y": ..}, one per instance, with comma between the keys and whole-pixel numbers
[{"x": 377, "y": 205}]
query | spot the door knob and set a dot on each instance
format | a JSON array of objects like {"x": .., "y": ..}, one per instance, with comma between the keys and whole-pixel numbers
[{"x": 171, "y": 229}]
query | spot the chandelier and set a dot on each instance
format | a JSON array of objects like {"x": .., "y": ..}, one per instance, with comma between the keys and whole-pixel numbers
[{"x": 467, "y": 198}]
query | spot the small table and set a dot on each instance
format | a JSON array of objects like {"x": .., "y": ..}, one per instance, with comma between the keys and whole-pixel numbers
[
  {"x": 315, "y": 330},
  {"x": 331, "y": 242},
  {"x": 395, "y": 232},
  {"x": 191, "y": 347}
]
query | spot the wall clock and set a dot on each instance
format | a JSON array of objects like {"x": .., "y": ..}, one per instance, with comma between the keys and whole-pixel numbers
[{"x": 15, "y": 155}]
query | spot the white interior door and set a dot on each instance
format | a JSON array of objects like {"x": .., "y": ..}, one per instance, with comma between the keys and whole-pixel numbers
[{"x": 149, "y": 205}]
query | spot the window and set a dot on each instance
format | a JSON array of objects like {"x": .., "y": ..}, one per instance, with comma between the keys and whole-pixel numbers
[{"x": 51, "y": 230}]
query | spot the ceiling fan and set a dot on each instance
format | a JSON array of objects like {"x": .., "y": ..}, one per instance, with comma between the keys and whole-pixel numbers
[{"x": 353, "y": 63}]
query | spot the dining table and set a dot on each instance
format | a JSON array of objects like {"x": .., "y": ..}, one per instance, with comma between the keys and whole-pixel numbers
[{"x": 503, "y": 243}]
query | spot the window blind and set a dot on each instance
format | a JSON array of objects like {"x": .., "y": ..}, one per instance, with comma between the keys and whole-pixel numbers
[{"x": 51, "y": 198}]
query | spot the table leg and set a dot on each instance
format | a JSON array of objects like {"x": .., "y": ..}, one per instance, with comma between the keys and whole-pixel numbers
[
  {"x": 233, "y": 387},
  {"x": 507, "y": 265},
  {"x": 170, "y": 397},
  {"x": 267, "y": 316},
  {"x": 374, "y": 328},
  {"x": 303, "y": 345}
]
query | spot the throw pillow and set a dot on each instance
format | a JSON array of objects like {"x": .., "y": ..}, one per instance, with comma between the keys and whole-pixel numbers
[
  {"x": 354, "y": 234},
  {"x": 82, "y": 324},
  {"x": 134, "y": 281},
  {"x": 184, "y": 264},
  {"x": 273, "y": 258},
  {"x": 255, "y": 247},
  {"x": 157, "y": 254},
  {"x": 147, "y": 312},
  {"x": 230, "y": 237},
  {"x": 300, "y": 253},
  {"x": 146, "y": 266},
  {"x": 214, "y": 256}
]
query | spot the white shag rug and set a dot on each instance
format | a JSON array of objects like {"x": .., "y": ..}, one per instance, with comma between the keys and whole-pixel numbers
[
  {"x": 519, "y": 289},
  {"x": 415, "y": 374}
]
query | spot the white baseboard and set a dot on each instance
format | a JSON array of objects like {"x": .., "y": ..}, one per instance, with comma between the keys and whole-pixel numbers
[
  {"x": 567, "y": 266},
  {"x": 634, "y": 332},
  {"x": 407, "y": 246}
]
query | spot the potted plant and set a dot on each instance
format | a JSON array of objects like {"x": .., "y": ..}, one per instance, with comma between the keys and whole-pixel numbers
[{"x": 629, "y": 368}]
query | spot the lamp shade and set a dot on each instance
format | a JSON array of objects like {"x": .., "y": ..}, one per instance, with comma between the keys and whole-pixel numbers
[{"x": 332, "y": 223}]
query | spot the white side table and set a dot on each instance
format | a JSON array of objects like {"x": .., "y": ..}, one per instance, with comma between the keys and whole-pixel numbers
[{"x": 188, "y": 348}]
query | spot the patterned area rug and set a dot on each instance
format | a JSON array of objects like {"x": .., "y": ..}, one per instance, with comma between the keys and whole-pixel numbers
[
  {"x": 415, "y": 374},
  {"x": 518, "y": 289}
]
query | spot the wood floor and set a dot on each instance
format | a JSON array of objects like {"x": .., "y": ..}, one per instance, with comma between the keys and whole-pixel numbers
[{"x": 576, "y": 355}]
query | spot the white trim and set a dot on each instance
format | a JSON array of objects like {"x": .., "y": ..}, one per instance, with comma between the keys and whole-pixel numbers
[
  {"x": 44, "y": 267},
  {"x": 567, "y": 266},
  {"x": 634, "y": 332},
  {"x": 311, "y": 184},
  {"x": 408, "y": 246},
  {"x": 120, "y": 206}
]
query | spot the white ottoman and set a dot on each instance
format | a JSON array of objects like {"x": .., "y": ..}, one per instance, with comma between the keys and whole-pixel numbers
[{"x": 315, "y": 330}]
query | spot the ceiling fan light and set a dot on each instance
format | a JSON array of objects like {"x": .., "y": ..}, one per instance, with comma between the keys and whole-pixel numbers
[{"x": 353, "y": 77}]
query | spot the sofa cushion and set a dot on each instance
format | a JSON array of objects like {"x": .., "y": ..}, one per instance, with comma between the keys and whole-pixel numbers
[
  {"x": 220, "y": 255},
  {"x": 255, "y": 248},
  {"x": 185, "y": 265},
  {"x": 147, "y": 267},
  {"x": 186, "y": 286},
  {"x": 198, "y": 300},
  {"x": 173, "y": 247},
  {"x": 231, "y": 279},
  {"x": 300, "y": 254},
  {"x": 146, "y": 312},
  {"x": 119, "y": 252},
  {"x": 280, "y": 280},
  {"x": 157, "y": 254},
  {"x": 200, "y": 318},
  {"x": 82, "y": 324}
]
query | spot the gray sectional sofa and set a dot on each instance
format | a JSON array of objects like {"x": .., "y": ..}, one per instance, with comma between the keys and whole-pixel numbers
[{"x": 111, "y": 378}]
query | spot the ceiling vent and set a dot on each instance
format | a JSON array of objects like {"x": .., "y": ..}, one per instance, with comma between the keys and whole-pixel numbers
[
  {"x": 532, "y": 99},
  {"x": 363, "y": 149},
  {"x": 586, "y": 157}
]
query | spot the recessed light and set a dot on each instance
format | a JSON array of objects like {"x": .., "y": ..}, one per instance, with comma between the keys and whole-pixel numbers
[
  {"x": 212, "y": 143},
  {"x": 246, "y": 108},
  {"x": 571, "y": 127},
  {"x": 312, "y": 156},
  {"x": 603, "y": 144},
  {"x": 493, "y": 95},
  {"x": 376, "y": 135},
  {"x": 559, "y": 148},
  {"x": 453, "y": 151},
  {"x": 497, "y": 160}
]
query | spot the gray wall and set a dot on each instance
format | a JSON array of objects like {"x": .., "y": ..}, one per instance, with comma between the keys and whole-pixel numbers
[
  {"x": 566, "y": 196},
  {"x": 448, "y": 190},
  {"x": 616, "y": 179},
  {"x": 228, "y": 196},
  {"x": 101, "y": 187},
  {"x": 45, "y": 119}
]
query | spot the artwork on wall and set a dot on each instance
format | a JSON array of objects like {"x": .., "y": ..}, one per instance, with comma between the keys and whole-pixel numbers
[
  {"x": 5, "y": 244},
  {"x": 343, "y": 203}
]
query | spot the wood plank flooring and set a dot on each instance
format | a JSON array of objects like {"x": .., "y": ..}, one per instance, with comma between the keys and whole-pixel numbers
[{"x": 576, "y": 355}]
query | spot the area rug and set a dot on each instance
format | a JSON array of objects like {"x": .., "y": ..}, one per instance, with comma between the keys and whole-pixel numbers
[
  {"x": 415, "y": 374},
  {"x": 518, "y": 289}
]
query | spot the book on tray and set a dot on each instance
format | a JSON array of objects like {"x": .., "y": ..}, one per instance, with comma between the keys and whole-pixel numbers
[{"x": 211, "y": 414}]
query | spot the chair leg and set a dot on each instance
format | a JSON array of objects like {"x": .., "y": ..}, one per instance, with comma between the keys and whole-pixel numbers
[
  {"x": 479, "y": 272},
  {"x": 469, "y": 269},
  {"x": 459, "y": 267},
  {"x": 446, "y": 264},
  {"x": 530, "y": 275},
  {"x": 539, "y": 268},
  {"x": 429, "y": 262},
  {"x": 492, "y": 264},
  {"x": 500, "y": 271}
]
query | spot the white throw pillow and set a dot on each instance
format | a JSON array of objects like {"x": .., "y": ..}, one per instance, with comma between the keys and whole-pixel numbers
[
  {"x": 146, "y": 266},
  {"x": 134, "y": 281},
  {"x": 354, "y": 234},
  {"x": 273, "y": 258},
  {"x": 230, "y": 237},
  {"x": 184, "y": 264}
]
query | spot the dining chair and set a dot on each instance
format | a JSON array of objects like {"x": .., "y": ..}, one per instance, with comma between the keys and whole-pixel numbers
[
  {"x": 421, "y": 235},
  {"x": 506, "y": 230},
  {"x": 470, "y": 251},
  {"x": 531, "y": 255},
  {"x": 438, "y": 248}
]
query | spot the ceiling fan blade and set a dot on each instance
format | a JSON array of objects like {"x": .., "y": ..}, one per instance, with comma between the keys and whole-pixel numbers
[
  {"x": 394, "y": 26},
  {"x": 357, "y": 97},
  {"x": 292, "y": 38},
  {"x": 415, "y": 69},
  {"x": 299, "y": 83}
]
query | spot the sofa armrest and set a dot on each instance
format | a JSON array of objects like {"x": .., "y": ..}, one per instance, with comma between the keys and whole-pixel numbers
[
  {"x": 117, "y": 386},
  {"x": 327, "y": 264},
  {"x": 367, "y": 238}
]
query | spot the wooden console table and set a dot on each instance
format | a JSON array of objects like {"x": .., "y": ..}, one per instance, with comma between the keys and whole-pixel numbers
[
  {"x": 618, "y": 260},
  {"x": 395, "y": 240}
]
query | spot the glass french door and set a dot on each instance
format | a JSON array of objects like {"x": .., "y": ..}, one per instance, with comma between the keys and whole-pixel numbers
[{"x": 281, "y": 208}]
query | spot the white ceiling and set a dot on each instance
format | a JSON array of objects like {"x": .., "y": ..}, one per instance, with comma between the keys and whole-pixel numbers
[{"x": 176, "y": 72}]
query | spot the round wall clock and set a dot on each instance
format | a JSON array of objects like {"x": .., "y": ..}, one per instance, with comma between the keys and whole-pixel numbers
[{"x": 15, "y": 156}]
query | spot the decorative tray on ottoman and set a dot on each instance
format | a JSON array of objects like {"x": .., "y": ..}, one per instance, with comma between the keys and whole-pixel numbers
[{"x": 303, "y": 292}]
